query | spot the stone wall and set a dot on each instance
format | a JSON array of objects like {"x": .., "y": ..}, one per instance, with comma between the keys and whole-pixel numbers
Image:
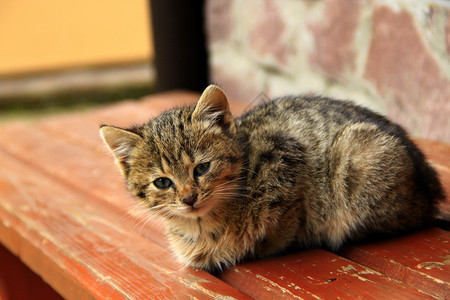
[{"x": 390, "y": 55}]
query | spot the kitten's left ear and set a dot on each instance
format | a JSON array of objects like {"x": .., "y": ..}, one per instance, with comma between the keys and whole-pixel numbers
[
  {"x": 213, "y": 106},
  {"x": 120, "y": 142}
]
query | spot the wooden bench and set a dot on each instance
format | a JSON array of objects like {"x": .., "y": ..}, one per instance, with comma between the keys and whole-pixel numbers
[{"x": 63, "y": 212}]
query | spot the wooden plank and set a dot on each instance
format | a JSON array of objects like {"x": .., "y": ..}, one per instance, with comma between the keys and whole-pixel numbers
[
  {"x": 72, "y": 162},
  {"x": 77, "y": 245},
  {"x": 82, "y": 169},
  {"x": 421, "y": 259},
  {"x": 83, "y": 127},
  {"x": 314, "y": 274}
]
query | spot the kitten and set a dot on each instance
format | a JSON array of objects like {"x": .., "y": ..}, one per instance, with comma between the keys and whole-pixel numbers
[{"x": 296, "y": 171}]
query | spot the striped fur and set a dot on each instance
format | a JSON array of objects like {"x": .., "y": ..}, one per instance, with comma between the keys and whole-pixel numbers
[{"x": 294, "y": 172}]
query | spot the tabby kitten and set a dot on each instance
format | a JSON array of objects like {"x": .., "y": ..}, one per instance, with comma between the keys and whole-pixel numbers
[{"x": 296, "y": 171}]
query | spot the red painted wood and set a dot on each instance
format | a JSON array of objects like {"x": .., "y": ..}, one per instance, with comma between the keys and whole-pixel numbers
[
  {"x": 437, "y": 152},
  {"x": 421, "y": 259},
  {"x": 63, "y": 210},
  {"x": 314, "y": 274},
  {"x": 83, "y": 128}
]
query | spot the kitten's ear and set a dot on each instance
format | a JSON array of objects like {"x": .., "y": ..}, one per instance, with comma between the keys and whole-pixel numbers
[
  {"x": 120, "y": 142},
  {"x": 213, "y": 106}
]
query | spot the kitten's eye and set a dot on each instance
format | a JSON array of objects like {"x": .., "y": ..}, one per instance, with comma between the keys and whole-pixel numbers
[
  {"x": 163, "y": 183},
  {"x": 201, "y": 169}
]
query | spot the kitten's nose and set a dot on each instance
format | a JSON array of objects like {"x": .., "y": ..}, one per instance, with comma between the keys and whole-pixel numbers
[{"x": 190, "y": 200}]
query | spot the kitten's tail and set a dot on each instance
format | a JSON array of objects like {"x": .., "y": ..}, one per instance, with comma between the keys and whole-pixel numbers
[{"x": 427, "y": 179}]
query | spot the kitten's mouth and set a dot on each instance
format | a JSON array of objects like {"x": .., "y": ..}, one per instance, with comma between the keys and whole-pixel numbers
[{"x": 197, "y": 210}]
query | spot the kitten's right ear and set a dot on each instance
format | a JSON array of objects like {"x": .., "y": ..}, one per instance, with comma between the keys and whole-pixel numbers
[
  {"x": 213, "y": 106},
  {"x": 120, "y": 142}
]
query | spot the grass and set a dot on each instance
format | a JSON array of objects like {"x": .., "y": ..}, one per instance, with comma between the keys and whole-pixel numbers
[{"x": 41, "y": 105}]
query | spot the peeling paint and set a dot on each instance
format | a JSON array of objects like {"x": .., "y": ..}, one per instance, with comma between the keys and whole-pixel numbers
[
  {"x": 194, "y": 279},
  {"x": 435, "y": 264},
  {"x": 282, "y": 289},
  {"x": 348, "y": 268},
  {"x": 352, "y": 271}
]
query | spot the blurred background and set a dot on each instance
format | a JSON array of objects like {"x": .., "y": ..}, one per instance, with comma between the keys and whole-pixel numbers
[
  {"x": 392, "y": 56},
  {"x": 56, "y": 55}
]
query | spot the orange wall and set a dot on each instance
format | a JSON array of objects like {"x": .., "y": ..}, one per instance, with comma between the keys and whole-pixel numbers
[{"x": 43, "y": 35}]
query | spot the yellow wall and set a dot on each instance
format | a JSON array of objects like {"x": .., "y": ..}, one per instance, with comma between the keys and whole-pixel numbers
[{"x": 43, "y": 35}]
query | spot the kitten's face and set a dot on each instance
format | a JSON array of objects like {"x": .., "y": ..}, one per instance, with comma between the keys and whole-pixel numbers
[{"x": 183, "y": 163}]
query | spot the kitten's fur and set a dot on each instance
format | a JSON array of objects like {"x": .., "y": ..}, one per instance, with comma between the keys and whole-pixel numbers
[{"x": 297, "y": 171}]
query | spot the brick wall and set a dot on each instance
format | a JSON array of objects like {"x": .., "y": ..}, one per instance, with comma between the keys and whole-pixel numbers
[{"x": 390, "y": 55}]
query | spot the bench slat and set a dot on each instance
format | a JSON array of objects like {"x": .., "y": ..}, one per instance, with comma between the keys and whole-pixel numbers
[
  {"x": 83, "y": 127},
  {"x": 314, "y": 274},
  {"x": 420, "y": 259},
  {"x": 83, "y": 169}
]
